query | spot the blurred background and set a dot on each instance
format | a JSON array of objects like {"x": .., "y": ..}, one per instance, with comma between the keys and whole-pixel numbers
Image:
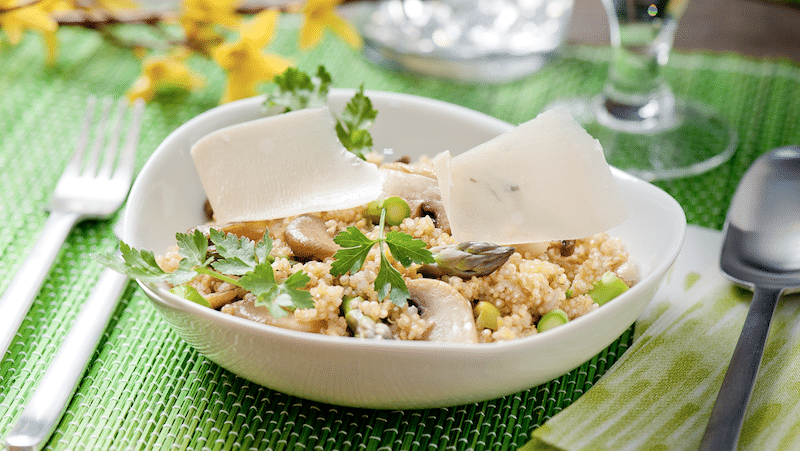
[{"x": 754, "y": 27}]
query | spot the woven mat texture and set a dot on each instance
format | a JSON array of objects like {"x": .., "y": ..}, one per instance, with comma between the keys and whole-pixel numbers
[{"x": 147, "y": 389}]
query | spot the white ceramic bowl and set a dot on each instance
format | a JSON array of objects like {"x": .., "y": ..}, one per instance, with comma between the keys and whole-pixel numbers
[{"x": 167, "y": 197}]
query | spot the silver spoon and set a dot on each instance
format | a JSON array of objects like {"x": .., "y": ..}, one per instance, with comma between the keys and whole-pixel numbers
[{"x": 761, "y": 251}]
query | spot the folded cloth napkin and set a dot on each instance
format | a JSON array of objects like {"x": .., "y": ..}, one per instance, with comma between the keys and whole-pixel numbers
[{"x": 659, "y": 394}]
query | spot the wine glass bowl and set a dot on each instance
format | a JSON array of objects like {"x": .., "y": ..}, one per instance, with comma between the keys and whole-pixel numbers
[{"x": 645, "y": 129}]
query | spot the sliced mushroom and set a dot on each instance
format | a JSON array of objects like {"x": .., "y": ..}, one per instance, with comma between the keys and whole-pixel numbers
[
  {"x": 309, "y": 239},
  {"x": 420, "y": 190},
  {"x": 449, "y": 311},
  {"x": 253, "y": 230},
  {"x": 247, "y": 309}
]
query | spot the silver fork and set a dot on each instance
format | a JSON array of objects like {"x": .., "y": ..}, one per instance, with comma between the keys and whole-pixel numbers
[{"x": 94, "y": 184}]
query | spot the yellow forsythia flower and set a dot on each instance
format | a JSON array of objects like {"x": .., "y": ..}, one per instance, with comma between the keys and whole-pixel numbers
[
  {"x": 196, "y": 13},
  {"x": 163, "y": 72},
  {"x": 245, "y": 62},
  {"x": 17, "y": 21},
  {"x": 319, "y": 15}
]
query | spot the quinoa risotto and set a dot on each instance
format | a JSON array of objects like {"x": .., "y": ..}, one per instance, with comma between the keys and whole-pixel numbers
[{"x": 535, "y": 279}]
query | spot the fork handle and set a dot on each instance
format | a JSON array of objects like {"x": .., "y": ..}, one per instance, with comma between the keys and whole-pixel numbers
[
  {"x": 23, "y": 288},
  {"x": 45, "y": 407}
]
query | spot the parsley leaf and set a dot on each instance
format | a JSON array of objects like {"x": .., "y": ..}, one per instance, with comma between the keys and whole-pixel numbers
[
  {"x": 406, "y": 249},
  {"x": 279, "y": 298},
  {"x": 355, "y": 247},
  {"x": 239, "y": 255},
  {"x": 230, "y": 256},
  {"x": 298, "y": 90},
  {"x": 136, "y": 264},
  {"x": 389, "y": 282},
  {"x": 194, "y": 250},
  {"x": 353, "y": 127}
]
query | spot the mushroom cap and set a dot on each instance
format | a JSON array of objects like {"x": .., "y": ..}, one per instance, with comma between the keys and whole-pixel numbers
[
  {"x": 253, "y": 230},
  {"x": 308, "y": 238},
  {"x": 450, "y": 312},
  {"x": 247, "y": 309}
]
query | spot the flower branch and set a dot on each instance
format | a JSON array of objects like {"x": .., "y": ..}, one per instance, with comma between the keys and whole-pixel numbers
[{"x": 204, "y": 28}]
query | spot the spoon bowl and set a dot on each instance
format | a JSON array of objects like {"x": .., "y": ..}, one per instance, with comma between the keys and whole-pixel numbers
[{"x": 760, "y": 251}]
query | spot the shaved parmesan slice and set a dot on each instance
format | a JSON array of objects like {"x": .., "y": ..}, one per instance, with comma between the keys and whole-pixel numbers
[
  {"x": 283, "y": 165},
  {"x": 546, "y": 179}
]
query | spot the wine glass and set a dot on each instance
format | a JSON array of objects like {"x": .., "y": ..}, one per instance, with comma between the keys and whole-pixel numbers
[{"x": 644, "y": 128}]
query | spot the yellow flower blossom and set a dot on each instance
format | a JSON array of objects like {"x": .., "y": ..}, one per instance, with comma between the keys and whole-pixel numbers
[
  {"x": 163, "y": 72},
  {"x": 201, "y": 21},
  {"x": 17, "y": 21},
  {"x": 245, "y": 62},
  {"x": 319, "y": 15},
  {"x": 196, "y": 13}
]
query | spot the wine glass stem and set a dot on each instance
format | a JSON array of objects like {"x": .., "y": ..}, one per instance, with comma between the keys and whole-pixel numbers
[{"x": 642, "y": 33}]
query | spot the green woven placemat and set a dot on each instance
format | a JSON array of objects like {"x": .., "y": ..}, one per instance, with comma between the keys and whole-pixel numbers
[{"x": 147, "y": 389}]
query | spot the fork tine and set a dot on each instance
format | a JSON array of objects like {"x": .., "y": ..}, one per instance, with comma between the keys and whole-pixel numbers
[
  {"x": 74, "y": 164},
  {"x": 99, "y": 138},
  {"x": 110, "y": 154},
  {"x": 124, "y": 169}
]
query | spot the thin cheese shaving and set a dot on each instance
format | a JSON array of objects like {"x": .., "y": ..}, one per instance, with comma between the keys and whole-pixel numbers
[
  {"x": 280, "y": 166},
  {"x": 546, "y": 179}
]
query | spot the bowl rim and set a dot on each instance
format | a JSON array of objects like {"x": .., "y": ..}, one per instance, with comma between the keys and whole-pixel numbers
[{"x": 160, "y": 295}]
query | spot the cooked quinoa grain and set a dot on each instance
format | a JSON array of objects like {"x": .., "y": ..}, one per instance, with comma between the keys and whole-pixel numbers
[{"x": 534, "y": 280}]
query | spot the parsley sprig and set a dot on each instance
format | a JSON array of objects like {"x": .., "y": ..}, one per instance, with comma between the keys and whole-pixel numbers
[
  {"x": 227, "y": 257},
  {"x": 296, "y": 90},
  {"x": 352, "y": 127},
  {"x": 389, "y": 282}
]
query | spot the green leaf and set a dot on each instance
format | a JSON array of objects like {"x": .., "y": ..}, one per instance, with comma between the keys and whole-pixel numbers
[
  {"x": 133, "y": 263},
  {"x": 237, "y": 255},
  {"x": 297, "y": 90},
  {"x": 293, "y": 287},
  {"x": 355, "y": 247},
  {"x": 389, "y": 282},
  {"x": 259, "y": 281},
  {"x": 141, "y": 265},
  {"x": 193, "y": 247},
  {"x": 278, "y": 298},
  {"x": 353, "y": 126},
  {"x": 406, "y": 249},
  {"x": 263, "y": 248}
]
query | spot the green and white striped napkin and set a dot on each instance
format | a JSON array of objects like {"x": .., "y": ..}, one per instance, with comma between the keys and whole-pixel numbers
[{"x": 659, "y": 395}]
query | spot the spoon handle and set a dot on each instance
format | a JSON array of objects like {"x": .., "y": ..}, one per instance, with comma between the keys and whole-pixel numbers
[{"x": 722, "y": 432}]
